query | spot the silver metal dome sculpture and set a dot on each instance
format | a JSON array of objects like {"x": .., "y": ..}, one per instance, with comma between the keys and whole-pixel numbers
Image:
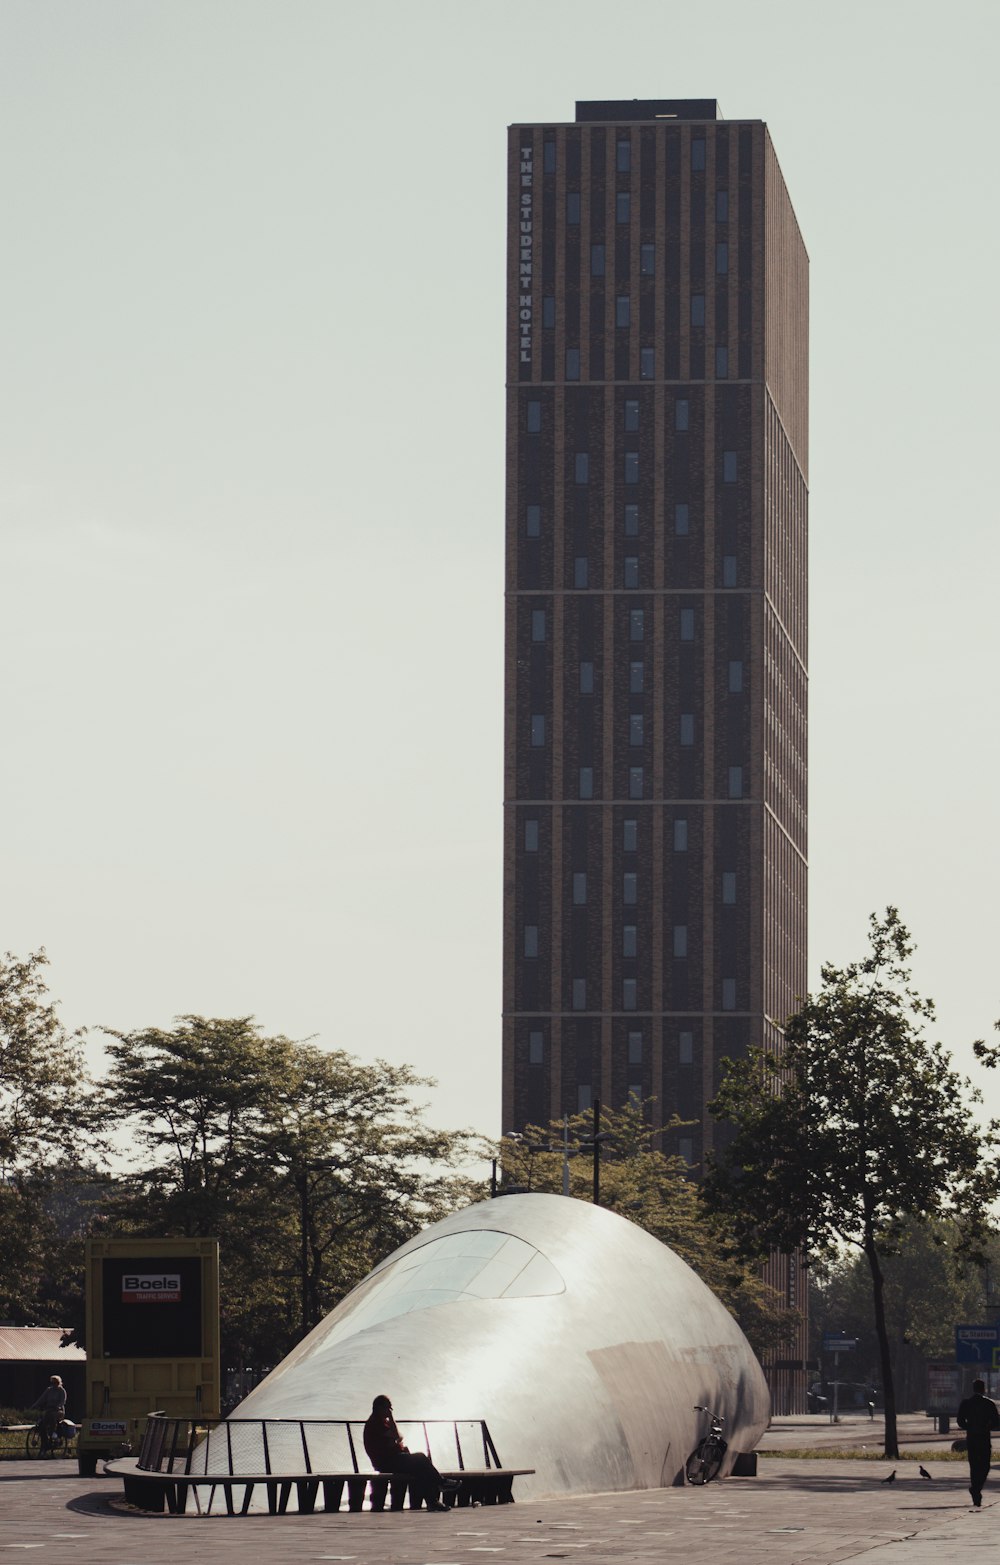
[{"x": 583, "y": 1342}]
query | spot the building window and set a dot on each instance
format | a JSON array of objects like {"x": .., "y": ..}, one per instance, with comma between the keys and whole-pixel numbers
[
  {"x": 631, "y": 521},
  {"x": 721, "y": 258},
  {"x": 581, "y": 467},
  {"x": 573, "y": 208},
  {"x": 631, "y": 571},
  {"x": 531, "y": 939},
  {"x": 580, "y": 889},
  {"x": 685, "y": 1048},
  {"x": 635, "y": 729},
  {"x": 630, "y": 836},
  {"x": 631, "y": 414},
  {"x": 531, "y": 836},
  {"x": 682, "y": 520},
  {"x": 586, "y": 679},
  {"x": 687, "y": 624},
  {"x": 597, "y": 260},
  {"x": 534, "y": 418},
  {"x": 635, "y": 1048},
  {"x": 729, "y": 888},
  {"x": 623, "y": 207},
  {"x": 624, "y": 157},
  {"x": 680, "y": 940},
  {"x": 579, "y": 994},
  {"x": 722, "y": 206},
  {"x": 629, "y": 940},
  {"x": 630, "y": 888},
  {"x": 581, "y": 571},
  {"x": 647, "y": 362},
  {"x": 647, "y": 260},
  {"x": 685, "y": 1150},
  {"x": 697, "y": 309},
  {"x": 687, "y": 728},
  {"x": 698, "y": 154},
  {"x": 549, "y": 157},
  {"x": 572, "y": 364},
  {"x": 636, "y": 625},
  {"x": 586, "y": 789},
  {"x": 736, "y": 782},
  {"x": 735, "y": 677},
  {"x": 635, "y": 1094},
  {"x": 721, "y": 362},
  {"x": 629, "y": 994},
  {"x": 636, "y": 678},
  {"x": 631, "y": 467},
  {"x": 635, "y": 782},
  {"x": 680, "y": 836},
  {"x": 729, "y": 467},
  {"x": 537, "y": 730},
  {"x": 682, "y": 413},
  {"x": 536, "y": 1048},
  {"x": 623, "y": 310},
  {"x": 548, "y": 310},
  {"x": 729, "y": 570},
  {"x": 533, "y": 521},
  {"x": 729, "y": 994},
  {"x": 538, "y": 624},
  {"x": 584, "y": 1101}
]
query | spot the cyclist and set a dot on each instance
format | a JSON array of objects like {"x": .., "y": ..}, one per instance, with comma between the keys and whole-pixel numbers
[{"x": 52, "y": 1403}]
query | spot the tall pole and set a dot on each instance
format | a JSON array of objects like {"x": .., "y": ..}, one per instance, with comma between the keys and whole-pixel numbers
[
  {"x": 565, "y": 1154},
  {"x": 597, "y": 1152}
]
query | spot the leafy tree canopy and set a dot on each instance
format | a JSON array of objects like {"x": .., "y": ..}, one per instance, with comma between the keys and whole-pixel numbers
[
  {"x": 45, "y": 1104},
  {"x": 294, "y": 1156}
]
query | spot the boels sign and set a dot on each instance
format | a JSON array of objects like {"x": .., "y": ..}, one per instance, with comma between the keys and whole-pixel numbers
[{"x": 151, "y": 1288}]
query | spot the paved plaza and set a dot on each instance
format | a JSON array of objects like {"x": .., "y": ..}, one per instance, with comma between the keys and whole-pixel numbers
[{"x": 795, "y": 1512}]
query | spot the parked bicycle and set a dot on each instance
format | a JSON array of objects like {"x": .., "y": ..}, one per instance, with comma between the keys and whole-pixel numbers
[
  {"x": 50, "y": 1439},
  {"x": 705, "y": 1461}
]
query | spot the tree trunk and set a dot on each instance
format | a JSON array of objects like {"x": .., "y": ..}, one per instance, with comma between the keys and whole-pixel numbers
[{"x": 888, "y": 1388}]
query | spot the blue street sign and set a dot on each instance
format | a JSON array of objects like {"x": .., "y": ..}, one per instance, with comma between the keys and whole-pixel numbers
[
  {"x": 977, "y": 1344},
  {"x": 837, "y": 1342}
]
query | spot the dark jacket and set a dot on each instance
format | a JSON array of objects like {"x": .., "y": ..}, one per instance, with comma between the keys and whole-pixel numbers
[
  {"x": 977, "y": 1416},
  {"x": 383, "y": 1442}
]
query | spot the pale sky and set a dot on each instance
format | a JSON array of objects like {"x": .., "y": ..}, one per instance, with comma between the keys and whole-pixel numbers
[{"x": 251, "y": 538}]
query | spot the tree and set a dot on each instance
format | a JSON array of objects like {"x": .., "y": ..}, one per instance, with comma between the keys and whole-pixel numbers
[
  {"x": 858, "y": 1127},
  {"x": 308, "y": 1165},
  {"x": 654, "y": 1190},
  {"x": 929, "y": 1286},
  {"x": 45, "y": 1102}
]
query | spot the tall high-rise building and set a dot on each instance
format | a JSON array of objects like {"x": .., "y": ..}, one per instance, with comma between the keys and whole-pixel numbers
[{"x": 655, "y": 775}]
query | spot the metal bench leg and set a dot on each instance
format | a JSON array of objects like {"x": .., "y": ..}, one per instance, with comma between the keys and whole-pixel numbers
[
  {"x": 247, "y": 1497},
  {"x": 306, "y": 1492},
  {"x": 379, "y": 1488},
  {"x": 333, "y": 1490},
  {"x": 356, "y": 1493},
  {"x": 283, "y": 1495},
  {"x": 397, "y": 1491}
]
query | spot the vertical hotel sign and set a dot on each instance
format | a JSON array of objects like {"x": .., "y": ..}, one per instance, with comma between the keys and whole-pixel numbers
[{"x": 526, "y": 239}]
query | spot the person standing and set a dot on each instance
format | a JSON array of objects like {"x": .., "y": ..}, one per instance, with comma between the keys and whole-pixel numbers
[
  {"x": 978, "y": 1416},
  {"x": 388, "y": 1454}
]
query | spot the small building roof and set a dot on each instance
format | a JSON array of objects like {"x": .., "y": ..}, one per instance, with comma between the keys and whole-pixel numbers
[{"x": 36, "y": 1343}]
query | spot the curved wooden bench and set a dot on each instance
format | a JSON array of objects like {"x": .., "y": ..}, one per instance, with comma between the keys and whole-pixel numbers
[{"x": 156, "y": 1491}]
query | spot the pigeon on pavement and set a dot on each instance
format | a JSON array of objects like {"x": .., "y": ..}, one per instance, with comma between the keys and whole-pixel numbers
[
  {"x": 891, "y": 1478},
  {"x": 925, "y": 1474}
]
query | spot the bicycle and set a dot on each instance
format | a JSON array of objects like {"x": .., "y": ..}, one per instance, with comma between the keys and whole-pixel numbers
[
  {"x": 51, "y": 1441},
  {"x": 705, "y": 1461}
]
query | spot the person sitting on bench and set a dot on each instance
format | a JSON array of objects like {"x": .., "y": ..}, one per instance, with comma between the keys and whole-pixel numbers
[{"x": 388, "y": 1454}]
